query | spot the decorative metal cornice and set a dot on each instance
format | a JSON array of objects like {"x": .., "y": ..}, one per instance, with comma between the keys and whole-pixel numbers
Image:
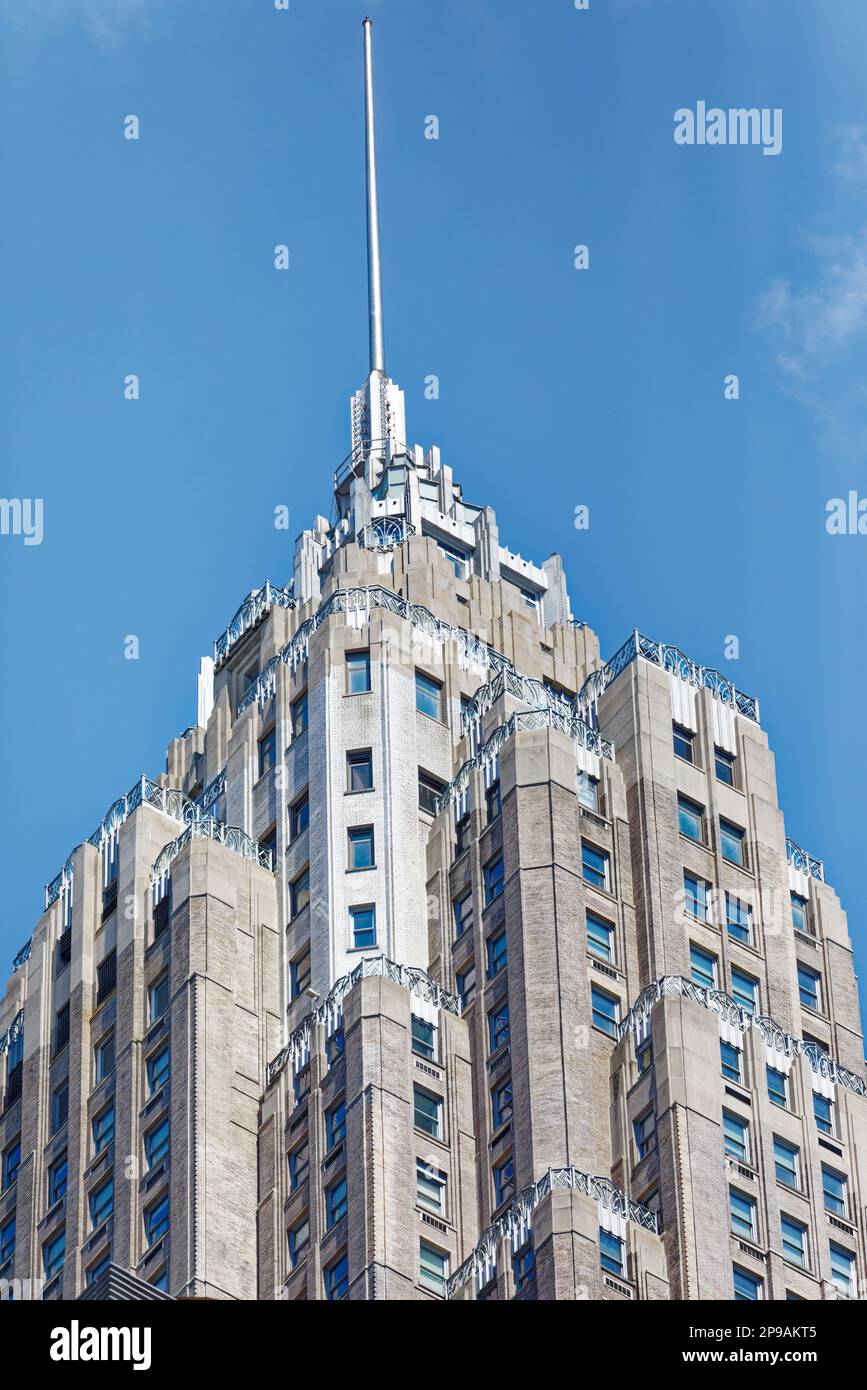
[
  {"x": 508, "y": 681},
  {"x": 515, "y": 1219},
  {"x": 418, "y": 982},
  {"x": 22, "y": 956},
  {"x": 256, "y": 605},
  {"x": 800, "y": 859},
  {"x": 670, "y": 659},
  {"x": 732, "y": 1013},
  {"x": 207, "y": 828},
  {"x": 145, "y": 793},
  {"x": 12, "y": 1032},
  {"x": 211, "y": 794},
  {"x": 385, "y": 535}
]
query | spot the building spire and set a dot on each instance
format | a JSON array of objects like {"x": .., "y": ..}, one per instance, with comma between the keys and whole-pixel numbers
[{"x": 374, "y": 269}]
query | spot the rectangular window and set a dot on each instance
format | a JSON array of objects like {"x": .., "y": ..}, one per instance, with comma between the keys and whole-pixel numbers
[
  {"x": 823, "y": 1113},
  {"x": 335, "y": 1203},
  {"x": 611, "y": 1253},
  {"x": 504, "y": 1181},
  {"x": 690, "y": 819},
  {"x": 103, "y": 1057},
  {"x": 724, "y": 766},
  {"x": 337, "y": 1280},
  {"x": 299, "y": 1241},
  {"x": 736, "y": 1134},
  {"x": 335, "y": 1124},
  {"x": 810, "y": 988},
  {"x": 359, "y": 770},
  {"x": 684, "y": 743},
  {"x": 360, "y": 854},
  {"x": 298, "y": 715},
  {"x": 57, "y": 1177},
  {"x": 299, "y": 1165},
  {"x": 156, "y": 1221},
  {"x": 299, "y": 974},
  {"x": 498, "y": 1027},
  {"x": 730, "y": 1057},
  {"x": 60, "y": 1107},
  {"x": 595, "y": 867},
  {"x": 61, "y": 1029},
  {"x": 743, "y": 1215},
  {"x": 605, "y": 1011},
  {"x": 428, "y": 1112},
  {"x": 745, "y": 990},
  {"x": 430, "y": 789},
  {"x": 739, "y": 919},
  {"x": 106, "y": 977},
  {"x": 493, "y": 801},
  {"x": 299, "y": 893},
  {"x": 524, "y": 1267},
  {"x": 357, "y": 672},
  {"x": 495, "y": 877},
  {"x": 732, "y": 843},
  {"x": 644, "y": 1129},
  {"x": 456, "y": 558},
  {"x": 299, "y": 816},
  {"x": 11, "y": 1164},
  {"x": 158, "y": 1068},
  {"x": 644, "y": 1056},
  {"x": 463, "y": 833},
  {"x": 800, "y": 914},
  {"x": 697, "y": 896},
  {"x": 748, "y": 1287},
  {"x": 430, "y": 1187},
  {"x": 600, "y": 937},
  {"x": 7, "y": 1242},
  {"x": 101, "y": 1204},
  {"x": 794, "y": 1241},
  {"x": 588, "y": 791},
  {"x": 428, "y": 695},
  {"x": 778, "y": 1087},
  {"x": 267, "y": 751},
  {"x": 103, "y": 1129},
  {"x": 501, "y": 1104},
  {"x": 158, "y": 998},
  {"x": 462, "y": 909},
  {"x": 466, "y": 983},
  {"x": 703, "y": 967},
  {"x": 53, "y": 1255},
  {"x": 433, "y": 1268},
  {"x": 424, "y": 1038},
  {"x": 362, "y": 921},
  {"x": 843, "y": 1270},
  {"x": 497, "y": 955},
  {"x": 94, "y": 1271},
  {"x": 156, "y": 1144},
  {"x": 834, "y": 1193},
  {"x": 787, "y": 1165}
]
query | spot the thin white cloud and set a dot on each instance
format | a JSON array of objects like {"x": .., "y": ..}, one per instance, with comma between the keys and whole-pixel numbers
[
  {"x": 853, "y": 164},
  {"x": 105, "y": 21}
]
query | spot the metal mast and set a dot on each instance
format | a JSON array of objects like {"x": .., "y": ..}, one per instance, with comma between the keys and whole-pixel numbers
[{"x": 374, "y": 268}]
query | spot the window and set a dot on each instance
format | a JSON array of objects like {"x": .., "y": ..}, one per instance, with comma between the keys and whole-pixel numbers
[
  {"x": 103, "y": 1129},
  {"x": 778, "y": 1088},
  {"x": 298, "y": 1165},
  {"x": 53, "y": 1255},
  {"x": 787, "y": 1164},
  {"x": 843, "y": 1270},
  {"x": 14, "y": 1069},
  {"x": 810, "y": 988},
  {"x": 497, "y": 955},
  {"x": 739, "y": 919},
  {"x": 697, "y": 896},
  {"x": 494, "y": 879},
  {"x": 156, "y": 1220},
  {"x": 429, "y": 790},
  {"x": 57, "y": 1176},
  {"x": 823, "y": 1113},
  {"x": 267, "y": 751},
  {"x": 724, "y": 765},
  {"x": 462, "y": 909},
  {"x": 684, "y": 743},
  {"x": 456, "y": 558},
  {"x": 59, "y": 1107},
  {"x": 743, "y": 1215},
  {"x": 595, "y": 868},
  {"x": 504, "y": 1181},
  {"x": 800, "y": 914},
  {"x": 61, "y": 1029},
  {"x": 157, "y": 1143},
  {"x": 466, "y": 983},
  {"x": 644, "y": 1129},
  {"x": 745, "y": 990},
  {"x": 433, "y": 1268},
  {"x": 428, "y": 1112},
  {"x": 611, "y": 1253},
  {"x": 690, "y": 819},
  {"x": 103, "y": 1057},
  {"x": 299, "y": 973},
  {"x": 736, "y": 1134},
  {"x": 363, "y": 926},
  {"x": 335, "y": 1203},
  {"x": 463, "y": 833},
  {"x": 524, "y": 1267},
  {"x": 834, "y": 1193},
  {"x": 794, "y": 1241},
  {"x": 730, "y": 1057},
  {"x": 64, "y": 951},
  {"x": 424, "y": 1038},
  {"x": 101, "y": 1204},
  {"x": 359, "y": 771},
  {"x": 93, "y": 1273},
  {"x": 748, "y": 1287},
  {"x": 11, "y": 1164},
  {"x": 158, "y": 1069},
  {"x": 600, "y": 937},
  {"x": 644, "y": 1055},
  {"x": 7, "y": 1242},
  {"x": 335, "y": 1124},
  {"x": 357, "y": 672},
  {"x": 299, "y": 1240},
  {"x": 703, "y": 967},
  {"x": 299, "y": 893},
  {"x": 335, "y": 1043},
  {"x": 588, "y": 791},
  {"x": 501, "y": 1103},
  {"x": 498, "y": 1027},
  {"x": 430, "y": 1187},
  {"x": 106, "y": 977},
  {"x": 531, "y": 600},
  {"x": 361, "y": 854},
  {"x": 158, "y": 998},
  {"x": 428, "y": 695},
  {"x": 732, "y": 843},
  {"x": 493, "y": 801},
  {"x": 299, "y": 816},
  {"x": 605, "y": 1011},
  {"x": 298, "y": 715},
  {"x": 337, "y": 1280}
]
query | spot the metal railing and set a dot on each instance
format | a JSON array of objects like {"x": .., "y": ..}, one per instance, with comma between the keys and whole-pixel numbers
[
  {"x": 22, "y": 956},
  {"x": 669, "y": 659},
  {"x": 254, "y": 608},
  {"x": 800, "y": 859},
  {"x": 207, "y": 828},
  {"x": 12, "y": 1033},
  {"x": 385, "y": 535}
]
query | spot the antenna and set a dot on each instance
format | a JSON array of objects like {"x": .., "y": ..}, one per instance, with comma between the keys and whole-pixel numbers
[{"x": 374, "y": 269}]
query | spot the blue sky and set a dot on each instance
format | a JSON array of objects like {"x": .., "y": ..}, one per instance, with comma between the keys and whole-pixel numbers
[{"x": 558, "y": 387}]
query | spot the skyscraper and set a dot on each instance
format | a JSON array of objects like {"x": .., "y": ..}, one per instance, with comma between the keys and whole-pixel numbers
[{"x": 445, "y": 960}]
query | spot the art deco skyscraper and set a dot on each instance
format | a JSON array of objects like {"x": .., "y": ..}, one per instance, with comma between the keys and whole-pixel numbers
[{"x": 445, "y": 960}]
